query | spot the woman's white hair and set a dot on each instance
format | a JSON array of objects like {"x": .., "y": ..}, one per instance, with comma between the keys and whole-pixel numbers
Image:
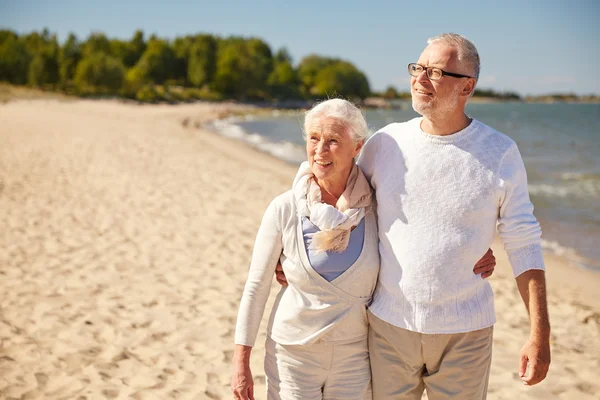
[
  {"x": 342, "y": 110},
  {"x": 467, "y": 52}
]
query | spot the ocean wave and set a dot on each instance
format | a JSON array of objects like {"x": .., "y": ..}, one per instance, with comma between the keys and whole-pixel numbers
[
  {"x": 578, "y": 188},
  {"x": 286, "y": 151},
  {"x": 570, "y": 254},
  {"x": 580, "y": 176}
]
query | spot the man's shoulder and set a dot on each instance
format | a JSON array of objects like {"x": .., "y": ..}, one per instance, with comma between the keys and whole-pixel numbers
[
  {"x": 396, "y": 129},
  {"x": 495, "y": 138}
]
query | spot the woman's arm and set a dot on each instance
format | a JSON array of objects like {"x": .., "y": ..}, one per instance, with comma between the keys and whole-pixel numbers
[
  {"x": 242, "y": 383},
  {"x": 267, "y": 251}
]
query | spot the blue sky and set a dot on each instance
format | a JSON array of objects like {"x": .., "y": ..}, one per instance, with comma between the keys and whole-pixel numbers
[{"x": 531, "y": 47}]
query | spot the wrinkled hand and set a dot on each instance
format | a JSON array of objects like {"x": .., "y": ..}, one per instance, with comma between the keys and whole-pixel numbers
[
  {"x": 536, "y": 353},
  {"x": 485, "y": 266},
  {"x": 280, "y": 276},
  {"x": 242, "y": 384}
]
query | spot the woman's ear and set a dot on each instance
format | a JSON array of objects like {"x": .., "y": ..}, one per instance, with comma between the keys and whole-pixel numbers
[{"x": 358, "y": 147}]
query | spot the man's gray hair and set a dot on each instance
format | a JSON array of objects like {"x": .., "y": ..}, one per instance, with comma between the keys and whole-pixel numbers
[
  {"x": 467, "y": 52},
  {"x": 343, "y": 111}
]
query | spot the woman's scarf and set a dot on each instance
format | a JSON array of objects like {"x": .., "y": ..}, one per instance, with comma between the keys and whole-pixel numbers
[{"x": 335, "y": 223}]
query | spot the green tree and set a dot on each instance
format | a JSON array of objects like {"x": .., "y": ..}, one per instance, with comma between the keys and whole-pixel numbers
[
  {"x": 156, "y": 64},
  {"x": 70, "y": 54},
  {"x": 243, "y": 68},
  {"x": 341, "y": 78},
  {"x": 282, "y": 55},
  {"x": 5, "y": 35},
  {"x": 202, "y": 61},
  {"x": 43, "y": 69},
  {"x": 390, "y": 93},
  {"x": 181, "y": 50},
  {"x": 99, "y": 73},
  {"x": 138, "y": 47},
  {"x": 308, "y": 69},
  {"x": 36, "y": 42},
  {"x": 96, "y": 43},
  {"x": 120, "y": 50},
  {"x": 14, "y": 61},
  {"x": 284, "y": 81}
]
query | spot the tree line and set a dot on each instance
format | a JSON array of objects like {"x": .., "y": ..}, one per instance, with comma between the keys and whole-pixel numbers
[{"x": 201, "y": 66}]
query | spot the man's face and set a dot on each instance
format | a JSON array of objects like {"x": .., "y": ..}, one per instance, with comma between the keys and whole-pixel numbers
[{"x": 441, "y": 97}]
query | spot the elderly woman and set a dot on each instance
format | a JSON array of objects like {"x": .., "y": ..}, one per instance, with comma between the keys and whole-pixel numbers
[{"x": 324, "y": 233}]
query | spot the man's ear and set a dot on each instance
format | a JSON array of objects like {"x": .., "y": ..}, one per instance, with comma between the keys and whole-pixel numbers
[{"x": 469, "y": 87}]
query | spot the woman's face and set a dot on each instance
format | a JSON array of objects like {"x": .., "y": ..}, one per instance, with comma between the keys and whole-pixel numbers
[{"x": 330, "y": 150}]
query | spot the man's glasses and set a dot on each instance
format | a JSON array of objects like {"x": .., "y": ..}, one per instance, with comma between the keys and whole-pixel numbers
[{"x": 433, "y": 73}]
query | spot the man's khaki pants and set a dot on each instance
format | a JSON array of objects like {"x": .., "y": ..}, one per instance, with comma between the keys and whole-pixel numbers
[{"x": 449, "y": 366}]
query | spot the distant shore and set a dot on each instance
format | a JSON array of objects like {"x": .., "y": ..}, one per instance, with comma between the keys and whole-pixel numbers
[{"x": 10, "y": 92}]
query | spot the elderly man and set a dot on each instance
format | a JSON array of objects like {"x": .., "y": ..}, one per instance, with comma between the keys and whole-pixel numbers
[{"x": 444, "y": 182}]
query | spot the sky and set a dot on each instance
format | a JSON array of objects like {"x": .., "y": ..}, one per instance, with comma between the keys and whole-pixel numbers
[{"x": 529, "y": 47}]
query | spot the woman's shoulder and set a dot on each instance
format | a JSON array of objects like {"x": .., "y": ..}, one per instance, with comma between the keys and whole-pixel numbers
[
  {"x": 283, "y": 205},
  {"x": 285, "y": 199},
  {"x": 281, "y": 210}
]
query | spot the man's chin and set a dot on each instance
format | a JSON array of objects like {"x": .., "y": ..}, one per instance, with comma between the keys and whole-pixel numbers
[{"x": 421, "y": 108}]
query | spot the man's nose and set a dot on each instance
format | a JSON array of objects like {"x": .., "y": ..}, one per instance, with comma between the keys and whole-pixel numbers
[{"x": 422, "y": 77}]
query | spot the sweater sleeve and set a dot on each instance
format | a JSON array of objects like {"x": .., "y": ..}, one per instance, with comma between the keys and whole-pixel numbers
[
  {"x": 267, "y": 250},
  {"x": 518, "y": 228},
  {"x": 368, "y": 157}
]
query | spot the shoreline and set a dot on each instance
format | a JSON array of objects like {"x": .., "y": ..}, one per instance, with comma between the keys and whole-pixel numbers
[{"x": 128, "y": 237}]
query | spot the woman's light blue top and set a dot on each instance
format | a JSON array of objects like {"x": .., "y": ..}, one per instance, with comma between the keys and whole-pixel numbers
[{"x": 331, "y": 264}]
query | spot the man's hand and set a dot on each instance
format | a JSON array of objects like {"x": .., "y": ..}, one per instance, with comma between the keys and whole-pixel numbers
[
  {"x": 280, "y": 276},
  {"x": 485, "y": 266},
  {"x": 536, "y": 353}
]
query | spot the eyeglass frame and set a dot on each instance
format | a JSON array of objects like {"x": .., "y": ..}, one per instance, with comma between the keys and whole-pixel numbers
[{"x": 444, "y": 73}]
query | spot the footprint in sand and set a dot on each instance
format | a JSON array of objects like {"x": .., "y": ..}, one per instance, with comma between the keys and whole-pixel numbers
[
  {"x": 586, "y": 388},
  {"x": 111, "y": 393},
  {"x": 212, "y": 378},
  {"x": 42, "y": 380},
  {"x": 227, "y": 356},
  {"x": 212, "y": 395}
]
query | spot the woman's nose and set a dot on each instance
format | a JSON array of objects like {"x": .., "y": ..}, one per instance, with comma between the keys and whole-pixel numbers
[{"x": 321, "y": 146}]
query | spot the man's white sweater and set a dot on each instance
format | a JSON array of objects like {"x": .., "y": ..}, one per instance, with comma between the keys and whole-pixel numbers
[{"x": 440, "y": 200}]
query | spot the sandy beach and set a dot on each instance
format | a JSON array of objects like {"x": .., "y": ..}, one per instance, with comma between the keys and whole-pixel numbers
[{"x": 126, "y": 234}]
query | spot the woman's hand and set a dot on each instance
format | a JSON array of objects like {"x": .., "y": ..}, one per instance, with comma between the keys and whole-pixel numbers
[{"x": 242, "y": 384}]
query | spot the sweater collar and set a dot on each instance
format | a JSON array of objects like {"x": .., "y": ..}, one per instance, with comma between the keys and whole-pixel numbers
[{"x": 446, "y": 139}]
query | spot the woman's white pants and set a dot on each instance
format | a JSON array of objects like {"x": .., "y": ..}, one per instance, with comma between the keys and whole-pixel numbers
[{"x": 324, "y": 370}]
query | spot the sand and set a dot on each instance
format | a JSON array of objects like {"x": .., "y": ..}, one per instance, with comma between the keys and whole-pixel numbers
[{"x": 126, "y": 233}]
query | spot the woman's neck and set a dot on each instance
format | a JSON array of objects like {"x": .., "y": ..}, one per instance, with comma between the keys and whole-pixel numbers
[{"x": 331, "y": 191}]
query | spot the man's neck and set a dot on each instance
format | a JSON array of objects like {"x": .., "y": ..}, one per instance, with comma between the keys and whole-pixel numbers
[{"x": 445, "y": 125}]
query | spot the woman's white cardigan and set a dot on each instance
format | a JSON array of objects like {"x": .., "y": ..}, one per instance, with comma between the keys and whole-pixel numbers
[{"x": 310, "y": 308}]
